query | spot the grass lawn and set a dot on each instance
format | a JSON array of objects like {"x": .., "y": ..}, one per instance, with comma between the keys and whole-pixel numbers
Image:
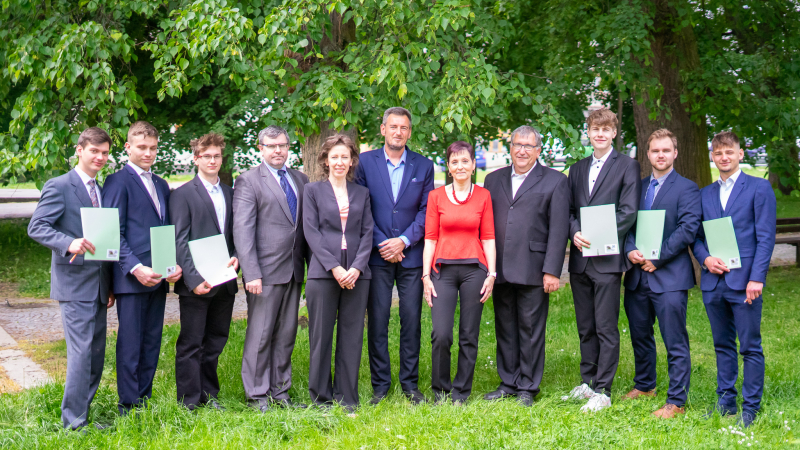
[{"x": 31, "y": 419}]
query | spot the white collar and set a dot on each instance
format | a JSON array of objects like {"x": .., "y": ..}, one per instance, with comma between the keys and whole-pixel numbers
[
  {"x": 731, "y": 179},
  {"x": 275, "y": 171},
  {"x": 84, "y": 176},
  {"x": 524, "y": 175},
  {"x": 139, "y": 170},
  {"x": 603, "y": 159},
  {"x": 208, "y": 185}
]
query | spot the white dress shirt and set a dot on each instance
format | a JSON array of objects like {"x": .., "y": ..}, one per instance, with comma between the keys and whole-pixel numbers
[
  {"x": 726, "y": 187},
  {"x": 517, "y": 180},
  {"x": 218, "y": 198},
  {"x": 277, "y": 176},
  {"x": 85, "y": 179},
  {"x": 594, "y": 170}
]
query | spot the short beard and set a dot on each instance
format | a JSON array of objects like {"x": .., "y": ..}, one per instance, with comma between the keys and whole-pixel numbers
[{"x": 393, "y": 148}]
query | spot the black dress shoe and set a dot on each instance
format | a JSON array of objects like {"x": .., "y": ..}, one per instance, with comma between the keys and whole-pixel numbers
[
  {"x": 350, "y": 409},
  {"x": 212, "y": 403},
  {"x": 441, "y": 398},
  {"x": 415, "y": 396},
  {"x": 746, "y": 418},
  {"x": 288, "y": 404},
  {"x": 498, "y": 394},
  {"x": 259, "y": 405},
  {"x": 525, "y": 398},
  {"x": 377, "y": 397}
]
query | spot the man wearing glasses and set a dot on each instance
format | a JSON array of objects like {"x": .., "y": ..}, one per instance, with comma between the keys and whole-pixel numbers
[
  {"x": 268, "y": 233},
  {"x": 531, "y": 223}
]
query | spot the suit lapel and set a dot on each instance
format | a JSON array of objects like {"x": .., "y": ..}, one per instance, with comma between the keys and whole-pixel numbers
[
  {"x": 612, "y": 158},
  {"x": 664, "y": 189},
  {"x": 715, "y": 199},
  {"x": 505, "y": 181},
  {"x": 228, "y": 193},
  {"x": 161, "y": 200},
  {"x": 138, "y": 181},
  {"x": 80, "y": 189},
  {"x": 206, "y": 197},
  {"x": 584, "y": 178},
  {"x": 351, "y": 198},
  {"x": 408, "y": 171},
  {"x": 300, "y": 189},
  {"x": 737, "y": 189},
  {"x": 383, "y": 172},
  {"x": 534, "y": 177},
  {"x": 645, "y": 185},
  {"x": 275, "y": 188}
]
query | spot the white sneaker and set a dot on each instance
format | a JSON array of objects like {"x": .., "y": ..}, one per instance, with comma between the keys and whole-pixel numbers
[
  {"x": 596, "y": 403},
  {"x": 581, "y": 392}
]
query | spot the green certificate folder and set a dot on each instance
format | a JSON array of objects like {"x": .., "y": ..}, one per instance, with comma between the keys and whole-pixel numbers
[
  {"x": 650, "y": 232},
  {"x": 101, "y": 228},
  {"x": 162, "y": 250},
  {"x": 721, "y": 241},
  {"x": 599, "y": 226},
  {"x": 210, "y": 257}
]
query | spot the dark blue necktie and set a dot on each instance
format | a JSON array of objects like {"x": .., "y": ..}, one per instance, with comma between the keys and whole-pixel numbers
[
  {"x": 290, "y": 197},
  {"x": 651, "y": 194}
]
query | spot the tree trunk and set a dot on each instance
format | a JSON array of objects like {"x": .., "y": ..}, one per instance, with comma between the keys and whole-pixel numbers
[
  {"x": 313, "y": 146},
  {"x": 673, "y": 51}
]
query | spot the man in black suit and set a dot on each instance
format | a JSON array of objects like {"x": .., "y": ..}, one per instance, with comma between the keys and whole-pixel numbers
[
  {"x": 605, "y": 177},
  {"x": 199, "y": 209},
  {"x": 531, "y": 222}
]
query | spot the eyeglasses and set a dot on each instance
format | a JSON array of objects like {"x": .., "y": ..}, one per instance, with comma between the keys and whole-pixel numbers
[
  {"x": 272, "y": 148},
  {"x": 208, "y": 158},
  {"x": 527, "y": 148}
]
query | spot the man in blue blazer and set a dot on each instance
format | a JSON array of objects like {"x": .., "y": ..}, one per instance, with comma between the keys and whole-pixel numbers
[
  {"x": 733, "y": 296},
  {"x": 143, "y": 200},
  {"x": 658, "y": 284},
  {"x": 399, "y": 181}
]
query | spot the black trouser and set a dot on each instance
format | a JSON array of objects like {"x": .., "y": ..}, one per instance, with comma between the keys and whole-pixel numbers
[
  {"x": 205, "y": 323},
  {"x": 520, "y": 318},
  {"x": 456, "y": 281},
  {"x": 409, "y": 288},
  {"x": 327, "y": 302},
  {"x": 596, "y": 297}
]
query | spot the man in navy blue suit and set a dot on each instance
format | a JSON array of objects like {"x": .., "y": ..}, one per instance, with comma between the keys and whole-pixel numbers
[
  {"x": 732, "y": 296},
  {"x": 658, "y": 284},
  {"x": 142, "y": 199},
  {"x": 399, "y": 181}
]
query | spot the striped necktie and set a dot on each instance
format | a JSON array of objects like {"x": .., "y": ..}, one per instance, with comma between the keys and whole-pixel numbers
[{"x": 93, "y": 194}]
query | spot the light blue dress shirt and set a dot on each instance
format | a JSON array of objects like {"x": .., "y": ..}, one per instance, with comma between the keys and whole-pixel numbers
[
  {"x": 660, "y": 182},
  {"x": 278, "y": 176},
  {"x": 396, "y": 178}
]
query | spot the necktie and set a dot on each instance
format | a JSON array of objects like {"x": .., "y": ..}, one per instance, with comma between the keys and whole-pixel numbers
[
  {"x": 651, "y": 194},
  {"x": 290, "y": 197},
  {"x": 93, "y": 194},
  {"x": 151, "y": 187}
]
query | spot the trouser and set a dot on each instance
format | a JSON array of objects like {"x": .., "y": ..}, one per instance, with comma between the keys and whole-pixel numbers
[
  {"x": 642, "y": 307},
  {"x": 84, "y": 325},
  {"x": 730, "y": 317},
  {"x": 596, "y": 299},
  {"x": 409, "y": 288},
  {"x": 520, "y": 319},
  {"x": 455, "y": 281},
  {"x": 269, "y": 341},
  {"x": 205, "y": 324},
  {"x": 331, "y": 306},
  {"x": 141, "y": 322}
]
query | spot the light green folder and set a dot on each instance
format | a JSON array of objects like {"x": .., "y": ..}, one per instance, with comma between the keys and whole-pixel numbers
[
  {"x": 650, "y": 232},
  {"x": 101, "y": 228},
  {"x": 599, "y": 226},
  {"x": 210, "y": 256},
  {"x": 721, "y": 241},
  {"x": 162, "y": 250}
]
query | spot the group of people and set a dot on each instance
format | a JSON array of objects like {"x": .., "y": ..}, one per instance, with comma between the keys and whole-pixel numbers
[{"x": 375, "y": 221}]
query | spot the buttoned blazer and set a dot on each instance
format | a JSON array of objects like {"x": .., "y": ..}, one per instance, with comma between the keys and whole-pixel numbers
[
  {"x": 126, "y": 191},
  {"x": 530, "y": 228},
  {"x": 270, "y": 245},
  {"x": 55, "y": 223},
  {"x": 194, "y": 216},
  {"x": 679, "y": 198},
  {"x": 406, "y": 216},
  {"x": 323, "y": 228},
  {"x": 752, "y": 208},
  {"x": 619, "y": 184}
]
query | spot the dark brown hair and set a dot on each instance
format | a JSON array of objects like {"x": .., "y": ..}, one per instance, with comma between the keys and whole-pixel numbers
[
  {"x": 333, "y": 141},
  {"x": 725, "y": 139},
  {"x": 142, "y": 128},
  {"x": 94, "y": 136},
  {"x": 202, "y": 143},
  {"x": 603, "y": 116},
  {"x": 459, "y": 146}
]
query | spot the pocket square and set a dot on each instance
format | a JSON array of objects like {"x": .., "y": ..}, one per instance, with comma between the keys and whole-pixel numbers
[{"x": 414, "y": 179}]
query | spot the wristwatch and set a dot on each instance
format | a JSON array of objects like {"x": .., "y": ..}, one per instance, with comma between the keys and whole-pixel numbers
[{"x": 491, "y": 274}]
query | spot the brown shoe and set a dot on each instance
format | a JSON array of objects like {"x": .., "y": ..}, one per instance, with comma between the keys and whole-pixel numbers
[
  {"x": 634, "y": 394},
  {"x": 669, "y": 411}
]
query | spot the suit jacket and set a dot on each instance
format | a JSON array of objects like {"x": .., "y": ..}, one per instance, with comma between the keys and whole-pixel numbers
[
  {"x": 617, "y": 184},
  {"x": 269, "y": 243},
  {"x": 194, "y": 217},
  {"x": 323, "y": 228},
  {"x": 680, "y": 199},
  {"x": 126, "y": 191},
  {"x": 406, "y": 216},
  {"x": 56, "y": 222},
  {"x": 530, "y": 228},
  {"x": 752, "y": 208}
]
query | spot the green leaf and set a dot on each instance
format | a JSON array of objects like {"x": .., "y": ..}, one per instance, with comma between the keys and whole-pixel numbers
[
  {"x": 487, "y": 92},
  {"x": 401, "y": 92},
  {"x": 262, "y": 38}
]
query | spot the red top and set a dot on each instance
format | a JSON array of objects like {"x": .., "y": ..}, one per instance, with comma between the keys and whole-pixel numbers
[{"x": 459, "y": 229}]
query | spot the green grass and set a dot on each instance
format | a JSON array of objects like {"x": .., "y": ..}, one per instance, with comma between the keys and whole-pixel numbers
[
  {"x": 31, "y": 419},
  {"x": 23, "y": 261}
]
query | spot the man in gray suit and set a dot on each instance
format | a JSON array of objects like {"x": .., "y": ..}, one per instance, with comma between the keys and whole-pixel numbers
[
  {"x": 268, "y": 235},
  {"x": 82, "y": 288}
]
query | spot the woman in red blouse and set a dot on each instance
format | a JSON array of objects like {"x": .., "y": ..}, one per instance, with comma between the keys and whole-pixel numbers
[{"x": 458, "y": 262}]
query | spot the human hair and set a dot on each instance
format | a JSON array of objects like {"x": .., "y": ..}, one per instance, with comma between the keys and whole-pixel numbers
[
  {"x": 142, "y": 128},
  {"x": 662, "y": 133},
  {"x": 459, "y": 146},
  {"x": 272, "y": 132},
  {"x": 396, "y": 111},
  {"x": 94, "y": 136},
  {"x": 333, "y": 141},
  {"x": 725, "y": 139},
  {"x": 201, "y": 144},
  {"x": 602, "y": 116},
  {"x": 525, "y": 131}
]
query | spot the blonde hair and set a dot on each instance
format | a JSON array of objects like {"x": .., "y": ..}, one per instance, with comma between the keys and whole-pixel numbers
[
  {"x": 602, "y": 116},
  {"x": 142, "y": 128},
  {"x": 662, "y": 133}
]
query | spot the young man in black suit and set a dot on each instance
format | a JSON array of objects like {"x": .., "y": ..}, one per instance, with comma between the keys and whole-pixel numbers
[
  {"x": 202, "y": 208},
  {"x": 604, "y": 177}
]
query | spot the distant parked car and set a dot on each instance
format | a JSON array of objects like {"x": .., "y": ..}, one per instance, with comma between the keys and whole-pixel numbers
[{"x": 479, "y": 158}]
